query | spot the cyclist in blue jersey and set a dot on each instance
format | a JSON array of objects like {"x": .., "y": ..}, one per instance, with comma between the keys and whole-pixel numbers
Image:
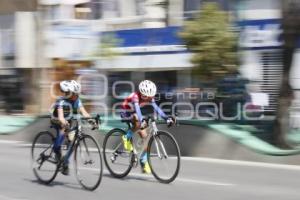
[
  {"x": 131, "y": 110},
  {"x": 63, "y": 110}
]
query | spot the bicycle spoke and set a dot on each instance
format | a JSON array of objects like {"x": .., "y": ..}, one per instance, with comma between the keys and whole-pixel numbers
[
  {"x": 88, "y": 163},
  {"x": 44, "y": 165},
  {"x": 164, "y": 157},
  {"x": 118, "y": 161}
]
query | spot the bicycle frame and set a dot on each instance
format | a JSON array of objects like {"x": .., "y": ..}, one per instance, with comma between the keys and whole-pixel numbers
[
  {"x": 78, "y": 134},
  {"x": 81, "y": 144},
  {"x": 152, "y": 131}
]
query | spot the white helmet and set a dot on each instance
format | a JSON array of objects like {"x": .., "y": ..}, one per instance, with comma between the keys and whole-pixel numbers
[
  {"x": 76, "y": 87},
  {"x": 147, "y": 88},
  {"x": 65, "y": 86},
  {"x": 70, "y": 86}
]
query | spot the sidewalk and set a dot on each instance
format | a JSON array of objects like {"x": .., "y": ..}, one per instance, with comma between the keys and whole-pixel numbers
[
  {"x": 247, "y": 139},
  {"x": 11, "y": 123},
  {"x": 241, "y": 134}
]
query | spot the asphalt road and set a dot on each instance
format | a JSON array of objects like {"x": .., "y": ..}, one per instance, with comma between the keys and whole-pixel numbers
[{"x": 199, "y": 178}]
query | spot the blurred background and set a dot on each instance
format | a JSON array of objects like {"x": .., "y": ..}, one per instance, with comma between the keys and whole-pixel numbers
[{"x": 232, "y": 56}]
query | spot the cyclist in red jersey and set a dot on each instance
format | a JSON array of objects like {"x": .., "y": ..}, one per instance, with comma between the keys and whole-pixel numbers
[{"x": 132, "y": 112}]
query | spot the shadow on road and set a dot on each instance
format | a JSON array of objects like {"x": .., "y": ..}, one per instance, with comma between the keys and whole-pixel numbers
[
  {"x": 137, "y": 177},
  {"x": 56, "y": 183}
]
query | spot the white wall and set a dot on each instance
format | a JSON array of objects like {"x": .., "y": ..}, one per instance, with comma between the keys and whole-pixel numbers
[
  {"x": 147, "y": 62},
  {"x": 25, "y": 37},
  {"x": 176, "y": 9},
  {"x": 71, "y": 40},
  {"x": 295, "y": 71},
  {"x": 259, "y": 9},
  {"x": 127, "y": 8},
  {"x": 154, "y": 14},
  {"x": 251, "y": 67}
]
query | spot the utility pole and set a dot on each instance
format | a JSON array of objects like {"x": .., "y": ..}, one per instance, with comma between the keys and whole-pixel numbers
[{"x": 291, "y": 33}]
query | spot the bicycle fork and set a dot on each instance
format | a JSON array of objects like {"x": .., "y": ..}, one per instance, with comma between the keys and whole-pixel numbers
[{"x": 158, "y": 143}]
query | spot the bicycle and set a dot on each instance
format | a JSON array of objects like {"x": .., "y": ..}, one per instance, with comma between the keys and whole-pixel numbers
[
  {"x": 87, "y": 156},
  {"x": 161, "y": 147}
]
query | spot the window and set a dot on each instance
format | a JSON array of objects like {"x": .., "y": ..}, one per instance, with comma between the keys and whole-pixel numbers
[
  {"x": 83, "y": 11},
  {"x": 7, "y": 40},
  {"x": 97, "y": 6},
  {"x": 140, "y": 7},
  {"x": 192, "y": 7},
  {"x": 52, "y": 12},
  {"x": 111, "y": 9}
]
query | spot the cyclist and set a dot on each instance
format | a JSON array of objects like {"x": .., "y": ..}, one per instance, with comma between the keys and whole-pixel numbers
[
  {"x": 131, "y": 110},
  {"x": 63, "y": 110}
]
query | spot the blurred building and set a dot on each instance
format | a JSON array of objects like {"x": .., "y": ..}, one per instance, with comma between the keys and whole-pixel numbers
[
  {"x": 18, "y": 61},
  {"x": 260, "y": 44},
  {"x": 64, "y": 37}
]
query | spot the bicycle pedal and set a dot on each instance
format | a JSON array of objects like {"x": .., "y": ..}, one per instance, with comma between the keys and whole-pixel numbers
[{"x": 114, "y": 156}]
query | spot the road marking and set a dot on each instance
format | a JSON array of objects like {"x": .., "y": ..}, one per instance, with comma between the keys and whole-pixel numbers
[
  {"x": 204, "y": 182},
  {"x": 242, "y": 163},
  {"x": 185, "y": 180},
  {"x": 2, "y": 197},
  {"x": 10, "y": 142},
  {"x": 202, "y": 159}
]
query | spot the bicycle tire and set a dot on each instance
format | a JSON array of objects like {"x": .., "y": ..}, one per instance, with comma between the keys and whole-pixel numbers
[
  {"x": 107, "y": 155},
  {"x": 176, "y": 152},
  {"x": 93, "y": 151},
  {"x": 34, "y": 147}
]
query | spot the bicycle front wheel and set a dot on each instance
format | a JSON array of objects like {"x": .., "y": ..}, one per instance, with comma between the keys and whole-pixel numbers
[
  {"x": 88, "y": 162},
  {"x": 117, "y": 160},
  {"x": 44, "y": 160},
  {"x": 164, "y": 157}
]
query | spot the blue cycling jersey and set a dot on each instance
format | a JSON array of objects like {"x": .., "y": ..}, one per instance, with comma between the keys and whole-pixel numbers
[{"x": 69, "y": 107}]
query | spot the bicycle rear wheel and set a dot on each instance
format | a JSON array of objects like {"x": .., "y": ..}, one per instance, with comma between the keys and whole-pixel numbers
[
  {"x": 88, "y": 162},
  {"x": 117, "y": 160},
  {"x": 164, "y": 157},
  {"x": 44, "y": 161}
]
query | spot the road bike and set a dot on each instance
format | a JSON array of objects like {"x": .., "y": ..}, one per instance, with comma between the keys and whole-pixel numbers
[
  {"x": 87, "y": 155},
  {"x": 162, "y": 151}
]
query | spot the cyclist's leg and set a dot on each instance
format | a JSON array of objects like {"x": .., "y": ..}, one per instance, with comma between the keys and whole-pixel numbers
[
  {"x": 143, "y": 134},
  {"x": 59, "y": 141},
  {"x": 57, "y": 145},
  {"x": 144, "y": 162},
  {"x": 60, "y": 135},
  {"x": 126, "y": 117}
]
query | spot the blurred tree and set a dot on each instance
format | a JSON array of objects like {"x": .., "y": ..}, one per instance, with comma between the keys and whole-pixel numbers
[
  {"x": 211, "y": 38},
  {"x": 291, "y": 33},
  {"x": 106, "y": 47}
]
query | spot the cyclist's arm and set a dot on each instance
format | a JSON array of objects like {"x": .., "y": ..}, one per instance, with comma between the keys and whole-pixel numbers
[
  {"x": 60, "y": 115},
  {"x": 158, "y": 110},
  {"x": 60, "y": 112},
  {"x": 82, "y": 110},
  {"x": 138, "y": 111}
]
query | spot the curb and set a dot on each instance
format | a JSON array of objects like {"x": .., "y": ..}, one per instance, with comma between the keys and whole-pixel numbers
[{"x": 243, "y": 137}]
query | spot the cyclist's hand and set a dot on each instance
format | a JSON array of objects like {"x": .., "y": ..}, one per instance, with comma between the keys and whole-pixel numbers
[
  {"x": 144, "y": 124},
  {"x": 171, "y": 120},
  {"x": 93, "y": 123},
  {"x": 66, "y": 124}
]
